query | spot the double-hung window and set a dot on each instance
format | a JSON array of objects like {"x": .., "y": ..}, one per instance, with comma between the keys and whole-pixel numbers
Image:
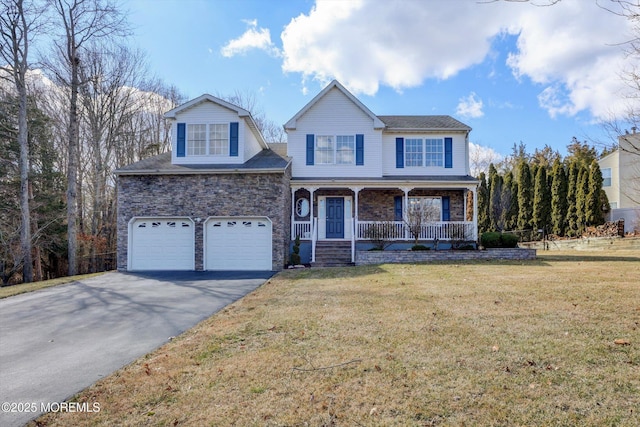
[
  {"x": 606, "y": 177},
  {"x": 433, "y": 152},
  {"x": 219, "y": 139},
  {"x": 196, "y": 140},
  {"x": 208, "y": 139},
  {"x": 413, "y": 152},
  {"x": 338, "y": 150},
  {"x": 345, "y": 149},
  {"x": 429, "y": 208},
  {"x": 424, "y": 152},
  {"x": 325, "y": 150}
]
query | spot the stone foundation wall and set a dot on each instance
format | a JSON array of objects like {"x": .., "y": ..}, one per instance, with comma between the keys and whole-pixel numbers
[
  {"x": 202, "y": 196},
  {"x": 411, "y": 257}
]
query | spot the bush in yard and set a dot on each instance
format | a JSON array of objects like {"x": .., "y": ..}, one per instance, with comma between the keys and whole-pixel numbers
[
  {"x": 295, "y": 255},
  {"x": 498, "y": 240},
  {"x": 420, "y": 248}
]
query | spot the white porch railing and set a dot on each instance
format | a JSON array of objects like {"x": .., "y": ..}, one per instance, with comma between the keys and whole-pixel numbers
[
  {"x": 302, "y": 229},
  {"x": 398, "y": 230}
]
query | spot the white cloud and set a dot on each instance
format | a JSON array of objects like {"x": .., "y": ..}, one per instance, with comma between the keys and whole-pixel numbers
[
  {"x": 572, "y": 50},
  {"x": 470, "y": 106},
  {"x": 367, "y": 43},
  {"x": 253, "y": 38},
  {"x": 569, "y": 49}
]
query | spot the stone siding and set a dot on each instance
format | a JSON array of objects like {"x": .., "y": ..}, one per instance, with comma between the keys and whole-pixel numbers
[
  {"x": 411, "y": 257},
  {"x": 202, "y": 196}
]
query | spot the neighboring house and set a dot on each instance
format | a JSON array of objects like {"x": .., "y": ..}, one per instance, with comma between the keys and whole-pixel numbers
[
  {"x": 223, "y": 200},
  {"x": 621, "y": 180}
]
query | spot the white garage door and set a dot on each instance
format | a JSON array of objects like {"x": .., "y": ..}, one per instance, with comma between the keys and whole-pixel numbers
[
  {"x": 238, "y": 243},
  {"x": 161, "y": 244}
]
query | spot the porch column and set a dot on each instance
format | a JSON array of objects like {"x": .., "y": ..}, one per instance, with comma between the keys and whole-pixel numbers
[
  {"x": 356, "y": 191},
  {"x": 405, "y": 209},
  {"x": 475, "y": 213},
  {"x": 464, "y": 204},
  {"x": 293, "y": 212}
]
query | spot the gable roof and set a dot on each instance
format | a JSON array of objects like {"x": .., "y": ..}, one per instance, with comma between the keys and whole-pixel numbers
[
  {"x": 265, "y": 161},
  {"x": 416, "y": 123},
  {"x": 377, "y": 123},
  {"x": 245, "y": 114}
]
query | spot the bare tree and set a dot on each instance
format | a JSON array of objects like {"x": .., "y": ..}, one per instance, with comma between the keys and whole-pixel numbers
[
  {"x": 418, "y": 215},
  {"x": 80, "y": 22},
  {"x": 247, "y": 100},
  {"x": 19, "y": 22}
]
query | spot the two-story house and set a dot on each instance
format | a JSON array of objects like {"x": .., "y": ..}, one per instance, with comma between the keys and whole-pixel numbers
[{"x": 222, "y": 200}]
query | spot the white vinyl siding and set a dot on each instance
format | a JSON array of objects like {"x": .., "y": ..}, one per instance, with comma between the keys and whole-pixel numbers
[
  {"x": 335, "y": 115},
  {"x": 208, "y": 113}
]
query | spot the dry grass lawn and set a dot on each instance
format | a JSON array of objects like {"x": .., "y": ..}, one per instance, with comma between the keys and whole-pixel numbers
[
  {"x": 554, "y": 341},
  {"x": 9, "y": 291}
]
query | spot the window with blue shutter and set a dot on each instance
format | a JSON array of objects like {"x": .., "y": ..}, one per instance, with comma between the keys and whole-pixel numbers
[
  {"x": 182, "y": 132},
  {"x": 233, "y": 139},
  {"x": 310, "y": 149},
  {"x": 399, "y": 153},
  {"x": 359, "y": 149},
  {"x": 397, "y": 208},
  {"x": 448, "y": 152},
  {"x": 446, "y": 212}
]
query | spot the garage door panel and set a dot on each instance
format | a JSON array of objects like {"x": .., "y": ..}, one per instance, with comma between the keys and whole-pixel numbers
[
  {"x": 162, "y": 244},
  {"x": 238, "y": 244}
]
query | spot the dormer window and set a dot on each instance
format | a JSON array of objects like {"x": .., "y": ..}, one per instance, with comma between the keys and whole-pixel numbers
[{"x": 208, "y": 139}]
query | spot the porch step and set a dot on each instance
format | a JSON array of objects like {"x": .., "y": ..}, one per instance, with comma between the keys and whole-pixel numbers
[{"x": 333, "y": 254}]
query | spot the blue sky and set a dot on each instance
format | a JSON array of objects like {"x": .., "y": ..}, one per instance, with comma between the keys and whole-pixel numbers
[{"x": 512, "y": 71}]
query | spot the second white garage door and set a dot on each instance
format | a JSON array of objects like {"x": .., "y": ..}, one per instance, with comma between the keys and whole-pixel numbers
[{"x": 238, "y": 243}]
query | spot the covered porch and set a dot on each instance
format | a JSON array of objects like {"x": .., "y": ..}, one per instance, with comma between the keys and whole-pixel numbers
[{"x": 356, "y": 212}]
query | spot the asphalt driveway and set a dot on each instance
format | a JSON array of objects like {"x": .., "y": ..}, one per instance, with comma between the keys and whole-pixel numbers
[{"x": 58, "y": 341}]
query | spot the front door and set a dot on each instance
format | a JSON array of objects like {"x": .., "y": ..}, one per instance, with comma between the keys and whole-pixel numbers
[{"x": 335, "y": 218}]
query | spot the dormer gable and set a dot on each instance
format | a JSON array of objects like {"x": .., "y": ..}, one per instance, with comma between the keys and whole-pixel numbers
[
  {"x": 292, "y": 123},
  {"x": 209, "y": 130}
]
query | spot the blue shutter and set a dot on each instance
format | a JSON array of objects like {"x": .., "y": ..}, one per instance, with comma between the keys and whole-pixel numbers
[
  {"x": 446, "y": 212},
  {"x": 397, "y": 208},
  {"x": 448, "y": 152},
  {"x": 359, "y": 150},
  {"x": 310, "y": 149},
  {"x": 180, "y": 149},
  {"x": 399, "y": 153},
  {"x": 233, "y": 139}
]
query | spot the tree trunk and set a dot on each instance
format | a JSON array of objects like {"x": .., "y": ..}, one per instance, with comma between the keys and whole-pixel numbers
[
  {"x": 25, "y": 232},
  {"x": 72, "y": 172}
]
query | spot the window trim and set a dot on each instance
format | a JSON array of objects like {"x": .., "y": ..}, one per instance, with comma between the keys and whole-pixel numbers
[
  {"x": 208, "y": 140},
  {"x": 410, "y": 198},
  {"x": 424, "y": 154},
  {"x": 321, "y": 154},
  {"x": 604, "y": 179}
]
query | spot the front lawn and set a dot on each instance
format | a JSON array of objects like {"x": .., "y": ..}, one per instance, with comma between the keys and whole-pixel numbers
[{"x": 553, "y": 341}]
